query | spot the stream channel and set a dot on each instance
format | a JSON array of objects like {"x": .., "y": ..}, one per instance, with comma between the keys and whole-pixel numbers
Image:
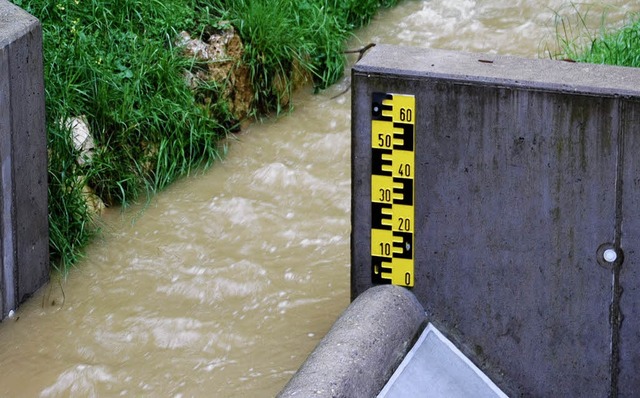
[{"x": 222, "y": 284}]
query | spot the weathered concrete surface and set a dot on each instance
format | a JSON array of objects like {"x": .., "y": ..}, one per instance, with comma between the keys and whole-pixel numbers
[
  {"x": 524, "y": 168},
  {"x": 23, "y": 155},
  {"x": 363, "y": 348},
  {"x": 629, "y": 236}
]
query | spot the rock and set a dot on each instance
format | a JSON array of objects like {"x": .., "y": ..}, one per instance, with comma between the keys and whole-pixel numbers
[
  {"x": 82, "y": 138},
  {"x": 285, "y": 83},
  {"x": 222, "y": 53},
  {"x": 95, "y": 205},
  {"x": 149, "y": 158},
  {"x": 84, "y": 143}
]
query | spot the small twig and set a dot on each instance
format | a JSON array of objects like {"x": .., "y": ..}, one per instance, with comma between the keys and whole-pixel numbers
[
  {"x": 64, "y": 297},
  {"x": 360, "y": 53},
  {"x": 48, "y": 295}
]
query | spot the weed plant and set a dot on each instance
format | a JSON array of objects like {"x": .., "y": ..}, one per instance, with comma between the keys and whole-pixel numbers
[
  {"x": 578, "y": 42},
  {"x": 115, "y": 63},
  {"x": 282, "y": 35}
]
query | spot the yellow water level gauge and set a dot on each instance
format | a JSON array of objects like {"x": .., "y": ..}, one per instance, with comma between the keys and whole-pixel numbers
[{"x": 392, "y": 188}]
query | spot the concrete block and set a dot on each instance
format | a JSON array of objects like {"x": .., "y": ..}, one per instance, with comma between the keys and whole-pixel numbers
[
  {"x": 627, "y": 283},
  {"x": 363, "y": 348},
  {"x": 525, "y": 172},
  {"x": 23, "y": 156},
  {"x": 436, "y": 368}
]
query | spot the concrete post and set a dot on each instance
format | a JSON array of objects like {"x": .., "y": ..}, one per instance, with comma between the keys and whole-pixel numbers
[
  {"x": 363, "y": 348},
  {"x": 526, "y": 226},
  {"x": 24, "y": 246}
]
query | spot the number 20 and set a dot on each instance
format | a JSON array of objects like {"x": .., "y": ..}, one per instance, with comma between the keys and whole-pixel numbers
[{"x": 405, "y": 224}]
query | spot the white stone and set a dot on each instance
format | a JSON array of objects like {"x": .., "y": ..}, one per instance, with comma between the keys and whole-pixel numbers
[{"x": 82, "y": 138}]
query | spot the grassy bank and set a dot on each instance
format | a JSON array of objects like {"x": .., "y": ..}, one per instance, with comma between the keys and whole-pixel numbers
[
  {"x": 115, "y": 64},
  {"x": 604, "y": 46}
]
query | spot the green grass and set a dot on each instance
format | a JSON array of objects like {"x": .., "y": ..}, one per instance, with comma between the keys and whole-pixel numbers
[
  {"x": 275, "y": 38},
  {"x": 115, "y": 62},
  {"x": 282, "y": 35},
  {"x": 578, "y": 41}
]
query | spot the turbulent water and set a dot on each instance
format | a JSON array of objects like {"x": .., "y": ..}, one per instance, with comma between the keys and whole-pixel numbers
[{"x": 222, "y": 284}]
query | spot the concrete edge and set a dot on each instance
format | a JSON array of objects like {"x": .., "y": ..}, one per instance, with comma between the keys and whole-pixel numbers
[
  {"x": 24, "y": 235},
  {"x": 15, "y": 23},
  {"x": 414, "y": 63},
  {"x": 363, "y": 348}
]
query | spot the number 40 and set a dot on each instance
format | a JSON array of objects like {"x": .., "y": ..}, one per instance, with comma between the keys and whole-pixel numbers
[{"x": 404, "y": 170}]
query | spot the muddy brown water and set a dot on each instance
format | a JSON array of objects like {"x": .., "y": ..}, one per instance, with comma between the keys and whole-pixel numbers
[{"x": 221, "y": 285}]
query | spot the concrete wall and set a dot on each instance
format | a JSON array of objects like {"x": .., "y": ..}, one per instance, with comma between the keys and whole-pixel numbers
[
  {"x": 526, "y": 171},
  {"x": 24, "y": 245}
]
